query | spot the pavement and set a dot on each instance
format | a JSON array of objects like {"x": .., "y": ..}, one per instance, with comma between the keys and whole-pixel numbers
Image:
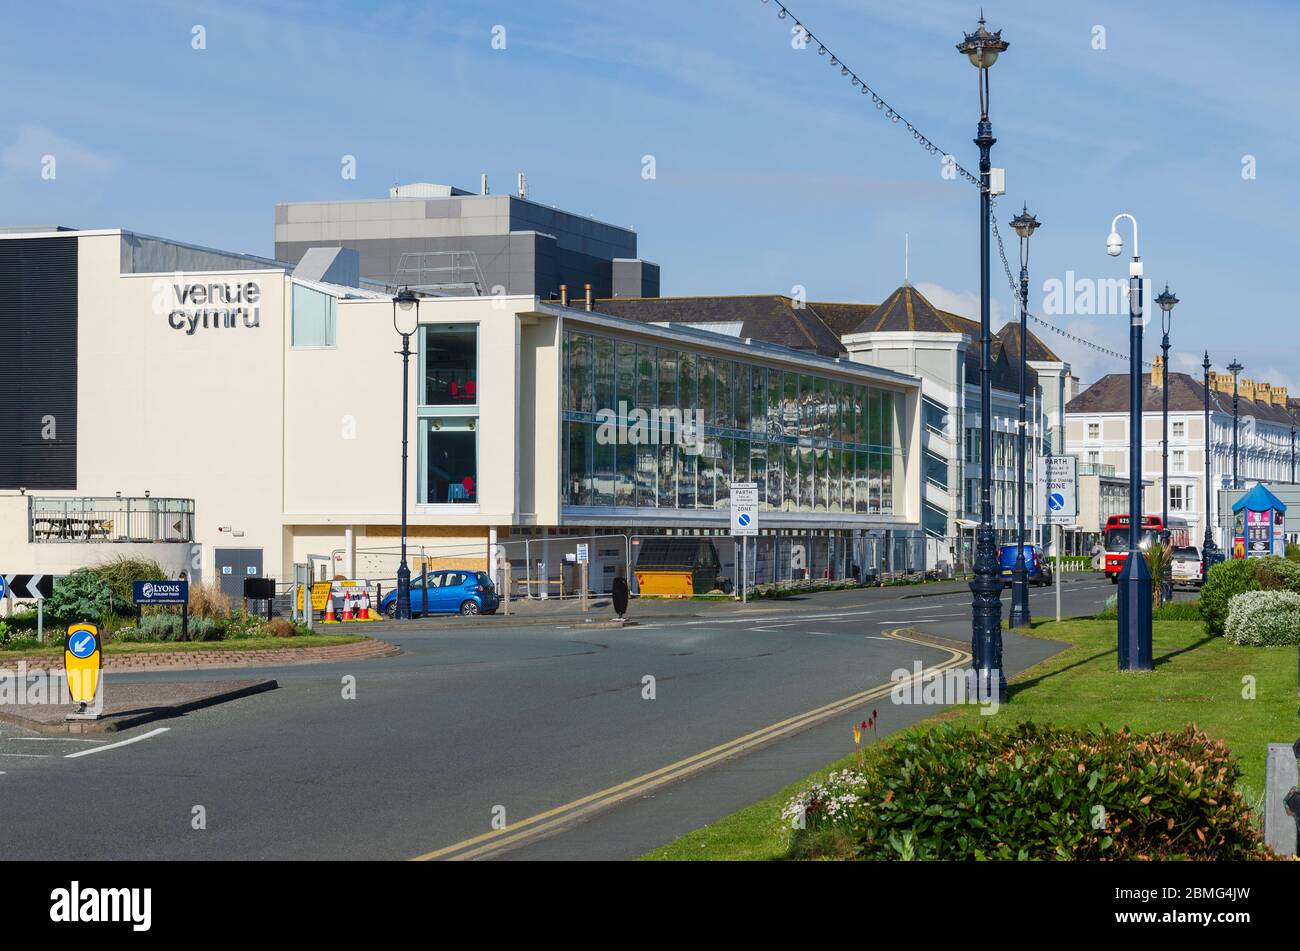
[{"x": 587, "y": 744}]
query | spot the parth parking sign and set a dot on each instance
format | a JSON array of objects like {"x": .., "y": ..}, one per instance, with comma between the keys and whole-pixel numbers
[
  {"x": 1060, "y": 489},
  {"x": 744, "y": 509}
]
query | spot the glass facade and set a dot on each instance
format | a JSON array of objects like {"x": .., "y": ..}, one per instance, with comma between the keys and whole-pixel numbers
[{"x": 657, "y": 427}]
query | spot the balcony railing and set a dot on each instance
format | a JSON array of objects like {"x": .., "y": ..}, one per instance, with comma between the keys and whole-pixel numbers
[
  {"x": 1096, "y": 468},
  {"x": 120, "y": 520}
]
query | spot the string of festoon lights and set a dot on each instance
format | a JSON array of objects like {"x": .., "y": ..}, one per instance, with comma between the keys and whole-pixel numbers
[{"x": 894, "y": 116}]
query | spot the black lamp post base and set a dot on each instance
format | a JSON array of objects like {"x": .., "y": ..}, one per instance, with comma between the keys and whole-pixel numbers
[
  {"x": 1019, "y": 616},
  {"x": 404, "y": 592},
  {"x": 1134, "y": 603},
  {"x": 986, "y": 635}
]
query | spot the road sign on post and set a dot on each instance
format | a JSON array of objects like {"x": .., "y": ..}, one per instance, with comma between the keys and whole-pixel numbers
[
  {"x": 1059, "y": 488},
  {"x": 164, "y": 591},
  {"x": 24, "y": 587},
  {"x": 744, "y": 525}
]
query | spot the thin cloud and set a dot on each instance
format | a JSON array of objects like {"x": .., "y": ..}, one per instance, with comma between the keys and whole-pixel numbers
[{"x": 27, "y": 154}]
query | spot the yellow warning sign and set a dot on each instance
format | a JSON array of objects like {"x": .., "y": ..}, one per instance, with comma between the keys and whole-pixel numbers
[
  {"x": 320, "y": 593},
  {"x": 82, "y": 657}
]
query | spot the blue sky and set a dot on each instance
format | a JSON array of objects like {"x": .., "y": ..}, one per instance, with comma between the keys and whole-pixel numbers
[{"x": 771, "y": 171}]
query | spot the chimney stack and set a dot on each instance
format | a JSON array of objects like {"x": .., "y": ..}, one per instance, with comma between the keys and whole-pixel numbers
[
  {"x": 587, "y": 289},
  {"x": 482, "y": 184},
  {"x": 564, "y": 295},
  {"x": 523, "y": 186}
]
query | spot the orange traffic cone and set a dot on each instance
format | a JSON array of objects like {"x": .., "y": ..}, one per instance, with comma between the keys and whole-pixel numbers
[
  {"x": 347, "y": 607},
  {"x": 365, "y": 606},
  {"x": 329, "y": 610}
]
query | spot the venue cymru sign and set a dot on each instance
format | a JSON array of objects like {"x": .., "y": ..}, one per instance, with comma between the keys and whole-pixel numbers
[{"x": 215, "y": 305}]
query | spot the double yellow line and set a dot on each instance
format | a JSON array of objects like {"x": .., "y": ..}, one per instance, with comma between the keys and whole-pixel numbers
[{"x": 491, "y": 844}]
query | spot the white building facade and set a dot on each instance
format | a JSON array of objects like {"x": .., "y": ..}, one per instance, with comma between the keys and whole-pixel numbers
[{"x": 1097, "y": 427}]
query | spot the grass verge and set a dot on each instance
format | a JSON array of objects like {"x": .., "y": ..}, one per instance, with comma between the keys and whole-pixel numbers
[{"x": 1198, "y": 678}]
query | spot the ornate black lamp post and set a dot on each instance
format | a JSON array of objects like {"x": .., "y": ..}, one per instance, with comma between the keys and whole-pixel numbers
[
  {"x": 1134, "y": 579},
  {"x": 1207, "y": 547},
  {"x": 407, "y": 304},
  {"x": 1025, "y": 225},
  {"x": 983, "y": 48},
  {"x": 1235, "y": 369},
  {"x": 1166, "y": 300}
]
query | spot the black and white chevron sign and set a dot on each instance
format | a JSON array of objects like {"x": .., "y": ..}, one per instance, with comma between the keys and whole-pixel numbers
[{"x": 23, "y": 587}]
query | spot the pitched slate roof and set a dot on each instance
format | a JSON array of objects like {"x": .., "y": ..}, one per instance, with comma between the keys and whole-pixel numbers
[
  {"x": 907, "y": 309},
  {"x": 1186, "y": 394},
  {"x": 1035, "y": 349},
  {"x": 771, "y": 318}
]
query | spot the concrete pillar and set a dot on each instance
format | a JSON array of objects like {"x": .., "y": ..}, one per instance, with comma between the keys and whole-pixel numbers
[
  {"x": 546, "y": 567},
  {"x": 349, "y": 553}
]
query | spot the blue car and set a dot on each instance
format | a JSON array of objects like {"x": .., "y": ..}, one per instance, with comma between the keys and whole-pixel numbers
[
  {"x": 1038, "y": 570},
  {"x": 453, "y": 591}
]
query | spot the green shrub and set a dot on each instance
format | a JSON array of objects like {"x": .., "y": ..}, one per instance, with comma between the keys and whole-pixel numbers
[
  {"x": 83, "y": 596},
  {"x": 121, "y": 574},
  {"x": 1032, "y": 792},
  {"x": 1264, "y": 618},
  {"x": 1226, "y": 579},
  {"x": 1292, "y": 551}
]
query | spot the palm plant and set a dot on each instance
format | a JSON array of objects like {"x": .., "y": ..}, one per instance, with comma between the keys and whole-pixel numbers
[{"x": 1160, "y": 561}]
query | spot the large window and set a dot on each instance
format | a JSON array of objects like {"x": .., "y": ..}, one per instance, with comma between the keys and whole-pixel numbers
[
  {"x": 450, "y": 365},
  {"x": 450, "y": 454},
  {"x": 448, "y": 415},
  {"x": 811, "y": 443}
]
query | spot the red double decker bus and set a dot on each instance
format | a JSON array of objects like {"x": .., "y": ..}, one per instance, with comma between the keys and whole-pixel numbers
[{"x": 1116, "y": 539}]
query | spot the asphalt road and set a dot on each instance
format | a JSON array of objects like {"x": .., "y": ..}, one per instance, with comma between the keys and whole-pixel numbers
[{"x": 544, "y": 727}]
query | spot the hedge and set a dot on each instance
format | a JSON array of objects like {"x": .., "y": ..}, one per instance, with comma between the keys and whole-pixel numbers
[
  {"x": 1230, "y": 578},
  {"x": 1030, "y": 792}
]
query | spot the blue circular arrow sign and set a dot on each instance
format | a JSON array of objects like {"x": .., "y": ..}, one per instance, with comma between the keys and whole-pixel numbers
[{"x": 82, "y": 644}]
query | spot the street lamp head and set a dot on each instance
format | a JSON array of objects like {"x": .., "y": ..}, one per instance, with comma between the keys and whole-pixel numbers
[
  {"x": 1025, "y": 224},
  {"x": 1206, "y": 364},
  {"x": 982, "y": 47},
  {"x": 1234, "y": 367},
  {"x": 407, "y": 304},
  {"x": 1166, "y": 300},
  {"x": 1114, "y": 244}
]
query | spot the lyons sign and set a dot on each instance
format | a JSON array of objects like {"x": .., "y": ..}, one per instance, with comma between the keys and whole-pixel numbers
[{"x": 215, "y": 305}]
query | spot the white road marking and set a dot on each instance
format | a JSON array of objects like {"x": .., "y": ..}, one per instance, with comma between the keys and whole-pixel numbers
[
  {"x": 113, "y": 746},
  {"x": 52, "y": 739},
  {"x": 29, "y": 755}
]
